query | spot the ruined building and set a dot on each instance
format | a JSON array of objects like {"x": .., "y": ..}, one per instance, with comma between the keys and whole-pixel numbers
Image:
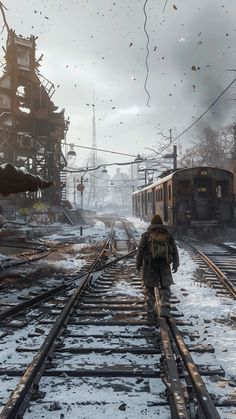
[{"x": 31, "y": 128}]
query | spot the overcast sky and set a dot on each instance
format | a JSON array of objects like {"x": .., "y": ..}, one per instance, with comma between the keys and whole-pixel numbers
[{"x": 102, "y": 43}]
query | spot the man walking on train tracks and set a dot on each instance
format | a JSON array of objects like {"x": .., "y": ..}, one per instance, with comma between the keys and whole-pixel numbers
[{"x": 156, "y": 251}]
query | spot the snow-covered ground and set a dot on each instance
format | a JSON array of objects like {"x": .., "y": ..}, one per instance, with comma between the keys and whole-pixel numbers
[{"x": 210, "y": 315}]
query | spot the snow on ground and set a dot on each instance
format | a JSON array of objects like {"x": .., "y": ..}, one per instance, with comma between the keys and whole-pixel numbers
[
  {"x": 94, "y": 233},
  {"x": 209, "y": 314}
]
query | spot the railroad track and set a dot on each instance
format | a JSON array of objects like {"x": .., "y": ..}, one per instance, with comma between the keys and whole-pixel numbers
[
  {"x": 219, "y": 267},
  {"x": 99, "y": 356},
  {"x": 18, "y": 253}
]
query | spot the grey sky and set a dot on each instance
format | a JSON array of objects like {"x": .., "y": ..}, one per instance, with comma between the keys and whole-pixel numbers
[{"x": 102, "y": 43}]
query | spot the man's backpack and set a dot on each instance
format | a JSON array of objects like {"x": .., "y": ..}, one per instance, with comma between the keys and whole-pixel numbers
[{"x": 160, "y": 247}]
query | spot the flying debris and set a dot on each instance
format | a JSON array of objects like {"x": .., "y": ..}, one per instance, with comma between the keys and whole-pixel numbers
[{"x": 15, "y": 180}]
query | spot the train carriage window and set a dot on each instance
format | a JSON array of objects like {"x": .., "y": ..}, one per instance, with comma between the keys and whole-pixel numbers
[
  {"x": 203, "y": 187},
  {"x": 169, "y": 192},
  {"x": 218, "y": 191},
  {"x": 222, "y": 189},
  {"x": 183, "y": 188},
  {"x": 161, "y": 194},
  {"x": 149, "y": 197}
]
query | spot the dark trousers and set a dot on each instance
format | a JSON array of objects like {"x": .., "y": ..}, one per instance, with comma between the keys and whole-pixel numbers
[{"x": 150, "y": 297}]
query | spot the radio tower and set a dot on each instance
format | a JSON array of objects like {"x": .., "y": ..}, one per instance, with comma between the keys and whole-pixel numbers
[{"x": 93, "y": 157}]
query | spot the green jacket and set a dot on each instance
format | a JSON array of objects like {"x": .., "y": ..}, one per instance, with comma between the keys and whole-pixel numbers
[{"x": 156, "y": 274}]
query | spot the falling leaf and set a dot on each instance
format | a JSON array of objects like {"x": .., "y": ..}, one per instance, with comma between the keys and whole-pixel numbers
[
  {"x": 155, "y": 48},
  {"x": 174, "y": 7},
  {"x": 131, "y": 43},
  {"x": 193, "y": 68},
  {"x": 46, "y": 17},
  {"x": 113, "y": 107}
]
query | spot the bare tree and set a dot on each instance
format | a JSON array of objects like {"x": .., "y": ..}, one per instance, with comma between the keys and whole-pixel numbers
[{"x": 213, "y": 148}]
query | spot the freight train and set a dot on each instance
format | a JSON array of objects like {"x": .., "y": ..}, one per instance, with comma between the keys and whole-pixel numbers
[{"x": 191, "y": 197}]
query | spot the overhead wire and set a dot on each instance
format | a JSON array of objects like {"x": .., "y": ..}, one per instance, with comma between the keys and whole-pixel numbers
[
  {"x": 200, "y": 117},
  {"x": 204, "y": 113}
]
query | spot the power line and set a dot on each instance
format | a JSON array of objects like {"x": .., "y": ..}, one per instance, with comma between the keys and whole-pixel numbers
[
  {"x": 91, "y": 168},
  {"x": 105, "y": 151},
  {"x": 200, "y": 117}
]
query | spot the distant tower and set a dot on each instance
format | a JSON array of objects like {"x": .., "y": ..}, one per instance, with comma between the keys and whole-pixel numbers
[
  {"x": 94, "y": 152},
  {"x": 92, "y": 192}
]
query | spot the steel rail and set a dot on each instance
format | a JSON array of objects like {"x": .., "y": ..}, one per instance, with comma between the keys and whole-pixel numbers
[
  {"x": 201, "y": 391},
  {"x": 173, "y": 384},
  {"x": 46, "y": 295},
  {"x": 39, "y": 251},
  {"x": 175, "y": 390},
  {"x": 35, "y": 369},
  {"x": 130, "y": 237},
  {"x": 222, "y": 277},
  {"x": 169, "y": 330},
  {"x": 20, "y": 396},
  {"x": 23, "y": 245},
  {"x": 35, "y": 256}
]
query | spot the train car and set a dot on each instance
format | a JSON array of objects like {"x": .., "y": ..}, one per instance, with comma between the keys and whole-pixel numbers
[{"x": 188, "y": 197}]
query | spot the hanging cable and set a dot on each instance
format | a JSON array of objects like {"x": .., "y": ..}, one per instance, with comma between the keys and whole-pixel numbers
[
  {"x": 164, "y": 8},
  {"x": 147, "y": 49}
]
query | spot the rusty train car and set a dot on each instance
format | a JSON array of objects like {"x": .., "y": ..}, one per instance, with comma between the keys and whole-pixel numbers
[{"x": 190, "y": 197}]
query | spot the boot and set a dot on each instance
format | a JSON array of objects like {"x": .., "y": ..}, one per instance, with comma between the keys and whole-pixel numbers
[
  {"x": 165, "y": 311},
  {"x": 151, "y": 318}
]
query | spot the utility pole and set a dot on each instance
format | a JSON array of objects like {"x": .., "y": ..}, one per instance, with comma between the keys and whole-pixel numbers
[
  {"x": 172, "y": 155},
  {"x": 235, "y": 139},
  {"x": 175, "y": 157}
]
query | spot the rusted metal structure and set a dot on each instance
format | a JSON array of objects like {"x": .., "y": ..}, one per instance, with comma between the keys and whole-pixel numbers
[{"x": 31, "y": 128}]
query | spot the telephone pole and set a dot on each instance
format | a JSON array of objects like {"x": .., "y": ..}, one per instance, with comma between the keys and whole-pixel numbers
[{"x": 172, "y": 155}]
